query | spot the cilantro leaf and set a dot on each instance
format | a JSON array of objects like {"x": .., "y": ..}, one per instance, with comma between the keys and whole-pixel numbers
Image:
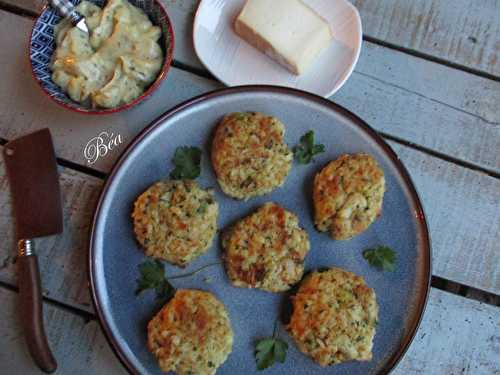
[
  {"x": 187, "y": 163},
  {"x": 382, "y": 257},
  {"x": 280, "y": 348},
  {"x": 202, "y": 209},
  {"x": 264, "y": 353},
  {"x": 268, "y": 351},
  {"x": 306, "y": 150},
  {"x": 153, "y": 277}
]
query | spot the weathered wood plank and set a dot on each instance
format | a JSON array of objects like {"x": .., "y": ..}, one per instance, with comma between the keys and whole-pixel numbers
[
  {"x": 428, "y": 104},
  {"x": 461, "y": 31},
  {"x": 181, "y": 13},
  {"x": 78, "y": 345},
  {"x": 463, "y": 212},
  {"x": 457, "y": 336},
  {"x": 30, "y": 5},
  {"x": 62, "y": 258},
  {"x": 394, "y": 92}
]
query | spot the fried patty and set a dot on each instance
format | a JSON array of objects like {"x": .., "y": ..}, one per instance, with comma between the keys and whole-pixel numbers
[
  {"x": 249, "y": 155},
  {"x": 191, "y": 335},
  {"x": 266, "y": 250},
  {"x": 175, "y": 220},
  {"x": 334, "y": 317},
  {"x": 348, "y": 195}
]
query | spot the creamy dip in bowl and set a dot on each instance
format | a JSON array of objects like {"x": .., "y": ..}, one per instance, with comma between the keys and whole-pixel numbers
[
  {"x": 122, "y": 61},
  {"x": 115, "y": 63}
]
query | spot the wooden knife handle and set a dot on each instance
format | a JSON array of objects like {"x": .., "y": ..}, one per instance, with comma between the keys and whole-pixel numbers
[{"x": 31, "y": 303}]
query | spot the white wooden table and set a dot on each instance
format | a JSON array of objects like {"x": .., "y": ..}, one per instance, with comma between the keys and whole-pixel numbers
[{"x": 428, "y": 80}]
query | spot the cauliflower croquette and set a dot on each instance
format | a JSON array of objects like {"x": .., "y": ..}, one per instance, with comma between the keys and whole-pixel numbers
[
  {"x": 191, "y": 335},
  {"x": 334, "y": 317},
  {"x": 249, "y": 155},
  {"x": 266, "y": 250},
  {"x": 348, "y": 195},
  {"x": 175, "y": 221}
]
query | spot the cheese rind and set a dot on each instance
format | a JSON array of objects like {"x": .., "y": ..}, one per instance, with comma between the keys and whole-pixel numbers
[{"x": 288, "y": 31}]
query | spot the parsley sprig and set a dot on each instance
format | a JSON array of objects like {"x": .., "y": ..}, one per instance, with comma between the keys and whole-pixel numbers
[
  {"x": 270, "y": 350},
  {"x": 187, "y": 162},
  {"x": 306, "y": 150},
  {"x": 152, "y": 276},
  {"x": 381, "y": 257}
]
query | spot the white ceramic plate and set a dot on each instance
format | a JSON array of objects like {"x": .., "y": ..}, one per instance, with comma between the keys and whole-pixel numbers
[{"x": 235, "y": 62}]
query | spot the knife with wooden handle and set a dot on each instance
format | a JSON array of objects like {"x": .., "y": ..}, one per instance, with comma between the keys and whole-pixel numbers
[{"x": 34, "y": 184}]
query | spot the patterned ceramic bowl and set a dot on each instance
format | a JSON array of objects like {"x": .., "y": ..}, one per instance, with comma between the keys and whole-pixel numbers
[{"x": 42, "y": 46}]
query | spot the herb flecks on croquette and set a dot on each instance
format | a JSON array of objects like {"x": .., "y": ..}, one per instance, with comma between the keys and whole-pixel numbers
[
  {"x": 334, "y": 317},
  {"x": 191, "y": 334},
  {"x": 249, "y": 155},
  {"x": 348, "y": 195},
  {"x": 266, "y": 250},
  {"x": 175, "y": 220}
]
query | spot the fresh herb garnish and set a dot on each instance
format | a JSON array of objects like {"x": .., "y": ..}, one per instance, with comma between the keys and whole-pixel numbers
[
  {"x": 382, "y": 257},
  {"x": 202, "y": 209},
  {"x": 306, "y": 150},
  {"x": 153, "y": 277},
  {"x": 239, "y": 115},
  {"x": 270, "y": 350},
  {"x": 187, "y": 163}
]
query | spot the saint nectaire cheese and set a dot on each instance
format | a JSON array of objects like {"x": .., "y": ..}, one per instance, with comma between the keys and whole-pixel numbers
[{"x": 288, "y": 31}]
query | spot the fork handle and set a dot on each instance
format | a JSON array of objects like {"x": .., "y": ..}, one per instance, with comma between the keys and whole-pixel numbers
[
  {"x": 64, "y": 7},
  {"x": 67, "y": 9}
]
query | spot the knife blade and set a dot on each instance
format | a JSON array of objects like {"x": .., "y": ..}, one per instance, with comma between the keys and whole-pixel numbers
[{"x": 34, "y": 184}]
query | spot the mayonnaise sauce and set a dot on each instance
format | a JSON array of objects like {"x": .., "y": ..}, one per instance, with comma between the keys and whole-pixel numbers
[{"x": 116, "y": 63}]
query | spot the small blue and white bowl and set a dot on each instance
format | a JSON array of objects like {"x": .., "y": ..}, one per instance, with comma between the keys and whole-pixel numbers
[{"x": 42, "y": 46}]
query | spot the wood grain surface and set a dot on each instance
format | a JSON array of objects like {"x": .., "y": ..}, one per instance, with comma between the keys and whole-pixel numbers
[
  {"x": 462, "y": 209},
  {"x": 78, "y": 344},
  {"x": 463, "y": 32},
  {"x": 457, "y": 336},
  {"x": 62, "y": 258}
]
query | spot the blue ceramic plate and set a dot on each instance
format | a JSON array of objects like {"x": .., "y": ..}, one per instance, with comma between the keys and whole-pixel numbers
[{"x": 115, "y": 255}]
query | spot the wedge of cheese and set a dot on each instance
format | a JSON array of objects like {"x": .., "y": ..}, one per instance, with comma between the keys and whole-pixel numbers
[{"x": 288, "y": 31}]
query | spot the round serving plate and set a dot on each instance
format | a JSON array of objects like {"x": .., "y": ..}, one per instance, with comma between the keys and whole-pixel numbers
[
  {"x": 235, "y": 62},
  {"x": 114, "y": 254}
]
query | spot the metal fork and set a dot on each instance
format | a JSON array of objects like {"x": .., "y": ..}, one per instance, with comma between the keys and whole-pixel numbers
[{"x": 67, "y": 9}]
